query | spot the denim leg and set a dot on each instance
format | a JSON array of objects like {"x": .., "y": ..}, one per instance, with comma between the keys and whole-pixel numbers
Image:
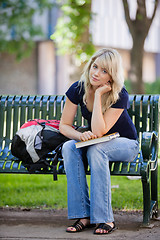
[
  {"x": 78, "y": 195},
  {"x": 99, "y": 155},
  {"x": 100, "y": 186},
  {"x": 121, "y": 149}
]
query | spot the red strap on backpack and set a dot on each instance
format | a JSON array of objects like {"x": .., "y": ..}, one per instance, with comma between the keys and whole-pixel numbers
[{"x": 53, "y": 123}]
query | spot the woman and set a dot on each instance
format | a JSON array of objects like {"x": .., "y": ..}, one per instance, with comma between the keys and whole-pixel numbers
[{"x": 104, "y": 103}]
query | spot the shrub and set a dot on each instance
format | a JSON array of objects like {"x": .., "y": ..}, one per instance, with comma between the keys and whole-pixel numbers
[{"x": 150, "y": 88}]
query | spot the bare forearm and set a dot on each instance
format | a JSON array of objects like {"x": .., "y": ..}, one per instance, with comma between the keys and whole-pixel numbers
[
  {"x": 66, "y": 122},
  {"x": 69, "y": 132},
  {"x": 98, "y": 125}
]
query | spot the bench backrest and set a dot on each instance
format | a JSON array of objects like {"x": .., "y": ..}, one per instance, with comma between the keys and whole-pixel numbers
[{"x": 16, "y": 110}]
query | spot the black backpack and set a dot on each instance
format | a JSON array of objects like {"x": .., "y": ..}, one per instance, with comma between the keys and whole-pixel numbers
[{"x": 38, "y": 144}]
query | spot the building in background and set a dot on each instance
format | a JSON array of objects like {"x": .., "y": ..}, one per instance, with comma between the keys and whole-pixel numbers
[{"x": 46, "y": 73}]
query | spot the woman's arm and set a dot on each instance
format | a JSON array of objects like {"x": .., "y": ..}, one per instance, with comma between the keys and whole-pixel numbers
[
  {"x": 102, "y": 123},
  {"x": 66, "y": 123}
]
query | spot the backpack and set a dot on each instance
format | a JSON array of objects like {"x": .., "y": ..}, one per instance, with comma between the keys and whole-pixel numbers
[{"x": 36, "y": 141}]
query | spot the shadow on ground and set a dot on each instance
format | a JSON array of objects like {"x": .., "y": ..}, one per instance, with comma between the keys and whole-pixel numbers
[{"x": 51, "y": 224}]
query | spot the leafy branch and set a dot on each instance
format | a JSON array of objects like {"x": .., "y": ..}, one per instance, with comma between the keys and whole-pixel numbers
[
  {"x": 17, "y": 31},
  {"x": 72, "y": 30}
]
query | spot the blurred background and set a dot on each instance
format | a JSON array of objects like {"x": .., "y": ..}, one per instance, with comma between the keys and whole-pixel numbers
[{"x": 45, "y": 44}]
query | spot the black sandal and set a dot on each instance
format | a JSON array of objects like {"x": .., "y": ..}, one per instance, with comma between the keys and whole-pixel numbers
[
  {"x": 79, "y": 226},
  {"x": 106, "y": 227}
]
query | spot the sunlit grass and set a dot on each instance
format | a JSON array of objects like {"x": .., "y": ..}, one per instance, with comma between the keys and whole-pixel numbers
[{"x": 32, "y": 191}]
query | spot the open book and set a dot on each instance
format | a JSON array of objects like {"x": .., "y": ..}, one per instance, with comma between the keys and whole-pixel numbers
[{"x": 97, "y": 140}]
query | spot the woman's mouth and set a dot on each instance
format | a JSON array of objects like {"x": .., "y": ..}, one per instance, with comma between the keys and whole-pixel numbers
[{"x": 95, "y": 79}]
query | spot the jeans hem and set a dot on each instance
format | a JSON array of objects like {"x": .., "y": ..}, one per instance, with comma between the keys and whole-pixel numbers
[
  {"x": 78, "y": 216},
  {"x": 100, "y": 221}
]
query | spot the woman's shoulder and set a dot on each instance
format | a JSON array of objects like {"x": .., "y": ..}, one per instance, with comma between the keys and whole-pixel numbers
[
  {"x": 77, "y": 86},
  {"x": 75, "y": 92},
  {"x": 123, "y": 101},
  {"x": 123, "y": 94}
]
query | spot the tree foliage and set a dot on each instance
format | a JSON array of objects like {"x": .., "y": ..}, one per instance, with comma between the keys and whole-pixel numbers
[
  {"x": 72, "y": 30},
  {"x": 17, "y": 31}
]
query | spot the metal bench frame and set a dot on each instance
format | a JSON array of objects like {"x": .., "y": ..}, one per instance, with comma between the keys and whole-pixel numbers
[{"x": 144, "y": 111}]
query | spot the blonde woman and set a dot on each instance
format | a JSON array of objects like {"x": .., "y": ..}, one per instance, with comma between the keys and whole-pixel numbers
[{"x": 104, "y": 103}]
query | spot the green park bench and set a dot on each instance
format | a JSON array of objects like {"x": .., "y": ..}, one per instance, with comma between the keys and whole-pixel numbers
[{"x": 144, "y": 111}]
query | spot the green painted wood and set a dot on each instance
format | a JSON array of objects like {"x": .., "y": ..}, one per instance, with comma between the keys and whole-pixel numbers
[
  {"x": 23, "y": 109},
  {"x": 16, "y": 113},
  {"x": 58, "y": 107},
  {"x": 51, "y": 103},
  {"x": 38, "y": 107},
  {"x": 144, "y": 113},
  {"x": 137, "y": 112}
]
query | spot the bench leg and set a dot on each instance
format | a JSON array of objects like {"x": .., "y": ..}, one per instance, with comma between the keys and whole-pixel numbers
[
  {"x": 154, "y": 193},
  {"x": 146, "y": 202}
]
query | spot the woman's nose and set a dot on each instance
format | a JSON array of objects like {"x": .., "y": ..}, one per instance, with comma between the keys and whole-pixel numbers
[{"x": 96, "y": 72}]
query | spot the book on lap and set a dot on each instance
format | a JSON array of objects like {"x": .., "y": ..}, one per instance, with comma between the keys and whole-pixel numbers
[{"x": 97, "y": 140}]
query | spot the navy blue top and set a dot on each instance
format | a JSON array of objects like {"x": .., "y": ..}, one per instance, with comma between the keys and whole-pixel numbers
[{"x": 124, "y": 124}]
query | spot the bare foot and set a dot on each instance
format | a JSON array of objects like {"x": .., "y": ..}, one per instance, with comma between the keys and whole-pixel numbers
[
  {"x": 101, "y": 230},
  {"x": 84, "y": 221}
]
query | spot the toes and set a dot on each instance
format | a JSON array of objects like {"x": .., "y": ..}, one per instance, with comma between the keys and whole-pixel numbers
[
  {"x": 101, "y": 231},
  {"x": 71, "y": 229}
]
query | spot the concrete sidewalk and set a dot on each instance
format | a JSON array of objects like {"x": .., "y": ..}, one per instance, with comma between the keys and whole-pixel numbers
[{"x": 51, "y": 224}]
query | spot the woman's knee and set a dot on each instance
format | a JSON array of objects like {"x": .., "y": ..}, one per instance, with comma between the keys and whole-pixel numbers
[
  {"x": 70, "y": 152},
  {"x": 68, "y": 146},
  {"x": 94, "y": 154},
  {"x": 94, "y": 149}
]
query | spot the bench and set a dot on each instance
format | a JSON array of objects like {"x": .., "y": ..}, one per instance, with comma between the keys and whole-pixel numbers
[{"x": 144, "y": 111}]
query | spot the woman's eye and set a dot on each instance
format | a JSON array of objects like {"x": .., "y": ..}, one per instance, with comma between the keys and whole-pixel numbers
[
  {"x": 94, "y": 66},
  {"x": 104, "y": 71}
]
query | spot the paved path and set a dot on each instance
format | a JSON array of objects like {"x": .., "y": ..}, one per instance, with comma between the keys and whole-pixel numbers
[{"x": 18, "y": 224}]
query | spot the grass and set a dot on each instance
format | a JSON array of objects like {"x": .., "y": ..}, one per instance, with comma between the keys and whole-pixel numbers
[{"x": 32, "y": 191}]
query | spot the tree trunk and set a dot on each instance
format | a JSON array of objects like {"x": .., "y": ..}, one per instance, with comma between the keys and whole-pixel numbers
[
  {"x": 139, "y": 28},
  {"x": 135, "y": 74}
]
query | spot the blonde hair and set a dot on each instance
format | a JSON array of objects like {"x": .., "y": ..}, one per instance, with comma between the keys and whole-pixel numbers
[{"x": 109, "y": 59}]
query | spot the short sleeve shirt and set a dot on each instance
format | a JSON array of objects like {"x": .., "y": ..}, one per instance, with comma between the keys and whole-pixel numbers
[{"x": 124, "y": 124}]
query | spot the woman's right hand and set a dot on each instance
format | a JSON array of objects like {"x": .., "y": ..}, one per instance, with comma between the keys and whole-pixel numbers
[
  {"x": 107, "y": 87},
  {"x": 87, "y": 135}
]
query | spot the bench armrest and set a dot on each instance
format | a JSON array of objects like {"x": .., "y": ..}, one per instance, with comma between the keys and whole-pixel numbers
[{"x": 149, "y": 145}]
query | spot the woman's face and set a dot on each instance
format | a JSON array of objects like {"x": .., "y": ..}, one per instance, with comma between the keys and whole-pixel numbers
[{"x": 98, "y": 76}]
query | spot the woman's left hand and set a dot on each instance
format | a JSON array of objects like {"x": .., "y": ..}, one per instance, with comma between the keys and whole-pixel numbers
[{"x": 87, "y": 135}]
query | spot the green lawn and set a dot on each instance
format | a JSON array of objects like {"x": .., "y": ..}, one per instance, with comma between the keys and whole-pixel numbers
[{"x": 41, "y": 191}]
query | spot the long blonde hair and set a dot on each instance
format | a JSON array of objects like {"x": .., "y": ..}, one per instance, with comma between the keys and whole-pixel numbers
[{"x": 109, "y": 59}]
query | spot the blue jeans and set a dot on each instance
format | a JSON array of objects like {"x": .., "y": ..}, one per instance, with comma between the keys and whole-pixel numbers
[{"x": 98, "y": 205}]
